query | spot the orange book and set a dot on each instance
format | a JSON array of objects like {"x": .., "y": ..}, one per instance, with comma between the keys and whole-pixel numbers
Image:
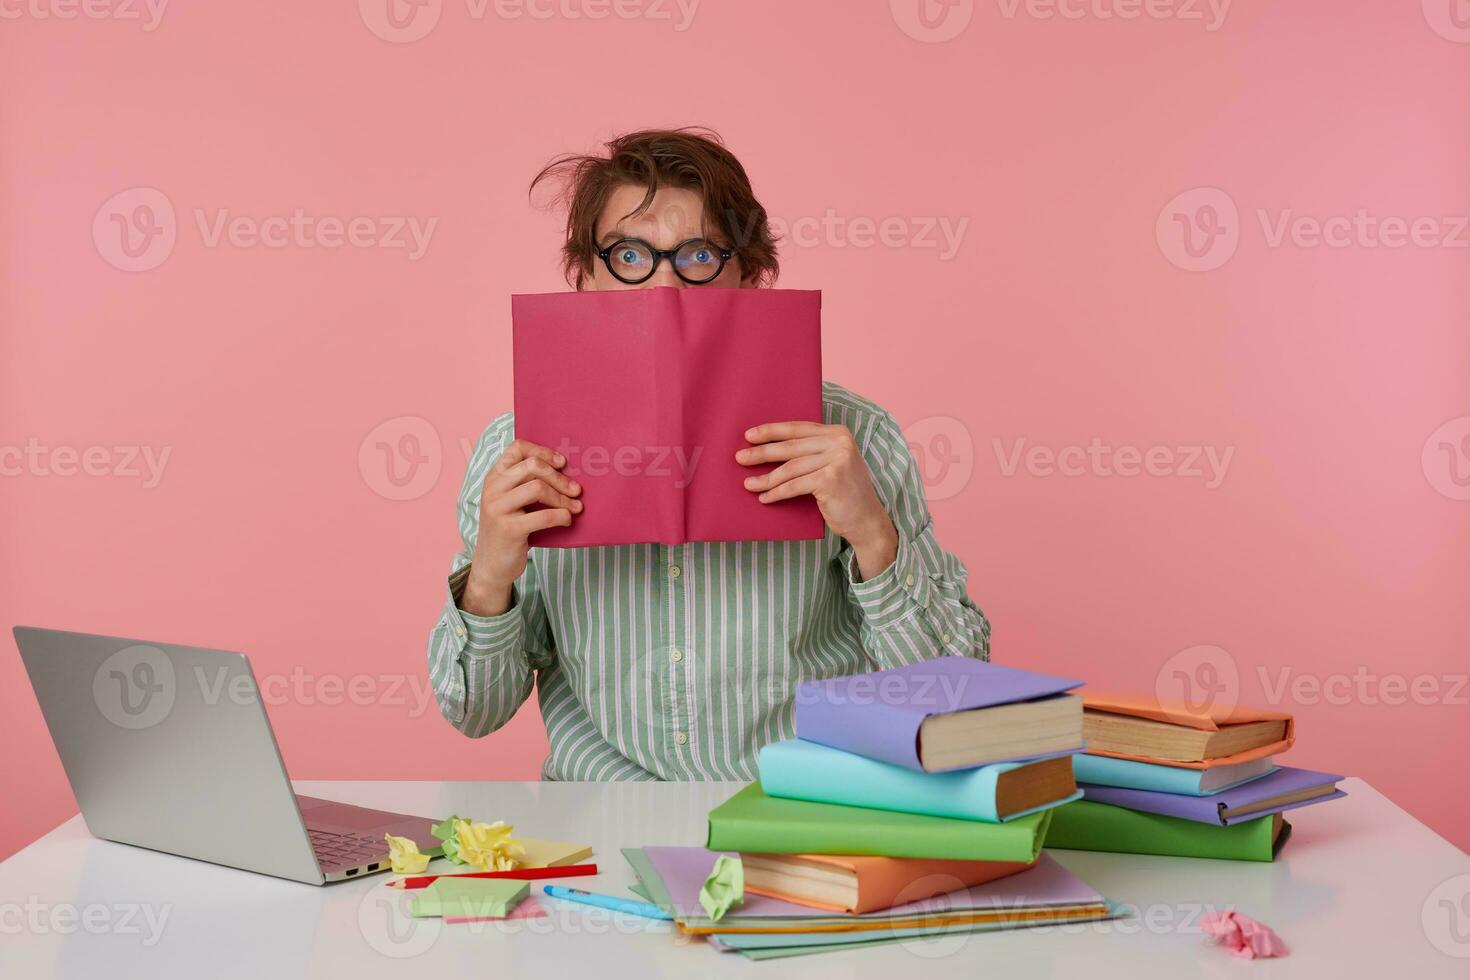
[
  {"x": 1145, "y": 729},
  {"x": 841, "y": 883}
]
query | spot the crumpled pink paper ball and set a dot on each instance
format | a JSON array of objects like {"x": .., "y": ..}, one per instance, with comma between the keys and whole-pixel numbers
[{"x": 1242, "y": 935}]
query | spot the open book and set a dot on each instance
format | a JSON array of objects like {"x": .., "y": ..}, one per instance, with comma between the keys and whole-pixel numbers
[{"x": 648, "y": 393}]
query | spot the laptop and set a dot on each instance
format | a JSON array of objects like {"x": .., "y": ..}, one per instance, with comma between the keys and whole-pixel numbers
[{"x": 168, "y": 747}]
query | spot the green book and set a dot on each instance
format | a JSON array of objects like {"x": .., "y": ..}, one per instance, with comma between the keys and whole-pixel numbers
[
  {"x": 474, "y": 898},
  {"x": 1090, "y": 826},
  {"x": 752, "y": 821}
]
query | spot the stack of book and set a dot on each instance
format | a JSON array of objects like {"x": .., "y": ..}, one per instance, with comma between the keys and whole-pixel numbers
[
  {"x": 1178, "y": 780},
  {"x": 938, "y": 778}
]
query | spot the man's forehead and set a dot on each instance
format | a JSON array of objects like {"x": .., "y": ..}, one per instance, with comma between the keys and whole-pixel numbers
[{"x": 676, "y": 212}]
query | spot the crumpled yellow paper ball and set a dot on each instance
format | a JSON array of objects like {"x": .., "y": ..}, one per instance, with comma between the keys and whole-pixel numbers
[
  {"x": 404, "y": 856},
  {"x": 489, "y": 846}
]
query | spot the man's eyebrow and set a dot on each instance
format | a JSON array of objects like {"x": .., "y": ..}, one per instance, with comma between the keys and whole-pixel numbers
[{"x": 611, "y": 236}]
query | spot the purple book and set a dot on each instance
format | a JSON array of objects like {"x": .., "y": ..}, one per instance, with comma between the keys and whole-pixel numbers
[
  {"x": 878, "y": 714},
  {"x": 684, "y": 869},
  {"x": 1269, "y": 794}
]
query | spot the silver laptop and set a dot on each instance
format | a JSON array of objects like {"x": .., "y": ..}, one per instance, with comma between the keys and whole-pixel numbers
[{"x": 169, "y": 747}]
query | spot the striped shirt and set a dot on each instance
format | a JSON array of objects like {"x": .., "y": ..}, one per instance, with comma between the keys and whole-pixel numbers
[{"x": 680, "y": 662}]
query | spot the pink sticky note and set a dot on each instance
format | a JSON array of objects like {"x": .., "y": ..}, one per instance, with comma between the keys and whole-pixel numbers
[
  {"x": 1242, "y": 935},
  {"x": 528, "y": 909},
  {"x": 648, "y": 394}
]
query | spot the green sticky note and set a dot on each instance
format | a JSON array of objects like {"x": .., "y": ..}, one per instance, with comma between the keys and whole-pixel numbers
[
  {"x": 476, "y": 898},
  {"x": 724, "y": 887}
]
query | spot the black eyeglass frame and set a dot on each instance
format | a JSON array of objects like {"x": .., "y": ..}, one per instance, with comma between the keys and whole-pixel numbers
[{"x": 659, "y": 255}]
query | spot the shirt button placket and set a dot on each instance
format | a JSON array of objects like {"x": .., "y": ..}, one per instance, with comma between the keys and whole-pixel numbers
[{"x": 676, "y": 556}]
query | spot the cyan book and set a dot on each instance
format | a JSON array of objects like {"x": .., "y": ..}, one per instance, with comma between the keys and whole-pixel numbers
[
  {"x": 1105, "y": 770},
  {"x": 801, "y": 770}
]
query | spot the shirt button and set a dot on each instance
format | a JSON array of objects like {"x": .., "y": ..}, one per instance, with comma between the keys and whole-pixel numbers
[
  {"x": 681, "y": 738},
  {"x": 677, "y": 656},
  {"x": 673, "y": 571},
  {"x": 947, "y": 638},
  {"x": 909, "y": 581}
]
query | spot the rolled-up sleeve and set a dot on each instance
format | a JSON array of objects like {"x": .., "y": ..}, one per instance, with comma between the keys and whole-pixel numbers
[
  {"x": 482, "y": 668},
  {"x": 918, "y": 608}
]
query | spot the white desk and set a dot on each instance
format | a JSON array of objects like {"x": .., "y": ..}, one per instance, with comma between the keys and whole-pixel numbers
[{"x": 1362, "y": 890}]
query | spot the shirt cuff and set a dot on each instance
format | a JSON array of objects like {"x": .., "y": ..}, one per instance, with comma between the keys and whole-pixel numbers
[
  {"x": 482, "y": 634},
  {"x": 895, "y": 593}
]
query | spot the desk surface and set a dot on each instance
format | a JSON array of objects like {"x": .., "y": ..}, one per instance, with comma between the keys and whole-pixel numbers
[{"x": 1362, "y": 890}]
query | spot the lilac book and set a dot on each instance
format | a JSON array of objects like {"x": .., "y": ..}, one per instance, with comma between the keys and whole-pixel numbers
[
  {"x": 682, "y": 870},
  {"x": 882, "y": 714},
  {"x": 1284, "y": 789}
]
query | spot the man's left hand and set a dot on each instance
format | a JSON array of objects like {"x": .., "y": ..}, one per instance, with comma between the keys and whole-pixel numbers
[{"x": 824, "y": 461}]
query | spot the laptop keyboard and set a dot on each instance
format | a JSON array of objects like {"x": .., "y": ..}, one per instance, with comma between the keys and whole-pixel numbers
[{"x": 346, "y": 850}]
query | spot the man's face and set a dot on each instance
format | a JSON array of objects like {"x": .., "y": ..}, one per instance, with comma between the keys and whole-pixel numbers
[{"x": 675, "y": 216}]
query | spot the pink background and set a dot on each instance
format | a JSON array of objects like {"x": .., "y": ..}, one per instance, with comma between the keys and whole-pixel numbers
[{"x": 1336, "y": 544}]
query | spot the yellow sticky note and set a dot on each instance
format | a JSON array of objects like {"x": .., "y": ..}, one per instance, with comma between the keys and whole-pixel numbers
[{"x": 552, "y": 854}]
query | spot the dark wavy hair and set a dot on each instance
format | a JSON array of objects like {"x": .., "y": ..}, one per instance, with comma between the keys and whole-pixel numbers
[{"x": 693, "y": 158}]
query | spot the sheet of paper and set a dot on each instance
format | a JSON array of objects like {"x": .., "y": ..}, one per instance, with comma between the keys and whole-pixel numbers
[{"x": 682, "y": 870}]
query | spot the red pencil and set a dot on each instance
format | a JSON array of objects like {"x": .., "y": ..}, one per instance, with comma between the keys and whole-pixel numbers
[{"x": 522, "y": 874}]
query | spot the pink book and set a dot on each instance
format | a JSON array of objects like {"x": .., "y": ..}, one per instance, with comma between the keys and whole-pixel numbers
[{"x": 648, "y": 393}]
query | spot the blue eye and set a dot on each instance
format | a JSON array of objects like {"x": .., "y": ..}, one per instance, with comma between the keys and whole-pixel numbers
[{"x": 629, "y": 256}]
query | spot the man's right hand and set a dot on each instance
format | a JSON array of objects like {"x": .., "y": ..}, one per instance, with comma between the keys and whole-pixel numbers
[{"x": 526, "y": 474}]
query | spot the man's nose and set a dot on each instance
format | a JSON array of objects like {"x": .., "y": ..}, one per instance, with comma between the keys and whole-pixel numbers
[{"x": 665, "y": 275}]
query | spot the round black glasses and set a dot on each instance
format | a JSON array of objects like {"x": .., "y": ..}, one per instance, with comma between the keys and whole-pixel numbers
[{"x": 696, "y": 261}]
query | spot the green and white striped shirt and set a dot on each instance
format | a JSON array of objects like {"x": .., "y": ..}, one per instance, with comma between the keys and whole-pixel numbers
[{"x": 659, "y": 662}]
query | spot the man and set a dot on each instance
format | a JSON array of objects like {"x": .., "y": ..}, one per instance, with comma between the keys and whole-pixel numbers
[{"x": 657, "y": 662}]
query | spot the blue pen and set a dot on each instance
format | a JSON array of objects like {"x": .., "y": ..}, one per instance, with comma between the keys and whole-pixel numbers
[{"x": 611, "y": 902}]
